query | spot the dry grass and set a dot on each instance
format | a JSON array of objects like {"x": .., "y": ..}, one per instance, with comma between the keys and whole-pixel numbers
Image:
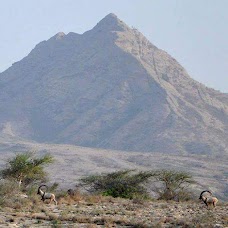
[{"x": 97, "y": 211}]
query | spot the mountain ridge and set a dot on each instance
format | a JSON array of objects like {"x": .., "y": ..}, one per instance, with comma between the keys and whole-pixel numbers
[{"x": 111, "y": 88}]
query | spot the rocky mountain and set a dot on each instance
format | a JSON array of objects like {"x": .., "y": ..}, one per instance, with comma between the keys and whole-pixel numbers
[{"x": 111, "y": 88}]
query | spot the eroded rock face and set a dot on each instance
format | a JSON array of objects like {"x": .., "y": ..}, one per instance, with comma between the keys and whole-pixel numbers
[{"x": 111, "y": 88}]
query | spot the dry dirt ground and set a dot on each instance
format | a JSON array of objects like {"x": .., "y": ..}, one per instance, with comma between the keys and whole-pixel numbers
[{"x": 97, "y": 211}]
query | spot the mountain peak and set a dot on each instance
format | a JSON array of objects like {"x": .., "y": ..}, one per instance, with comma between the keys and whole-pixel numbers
[
  {"x": 58, "y": 36},
  {"x": 111, "y": 88},
  {"x": 111, "y": 15},
  {"x": 111, "y": 23}
]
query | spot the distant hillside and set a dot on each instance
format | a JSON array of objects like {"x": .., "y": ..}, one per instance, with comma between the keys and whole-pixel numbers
[
  {"x": 111, "y": 88},
  {"x": 73, "y": 162}
]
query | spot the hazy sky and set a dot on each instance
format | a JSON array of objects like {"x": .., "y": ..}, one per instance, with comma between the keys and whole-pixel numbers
[{"x": 194, "y": 32}]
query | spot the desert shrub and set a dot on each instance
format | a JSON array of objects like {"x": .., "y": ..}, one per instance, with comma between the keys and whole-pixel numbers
[
  {"x": 26, "y": 168},
  {"x": 8, "y": 187},
  {"x": 53, "y": 187},
  {"x": 31, "y": 190},
  {"x": 125, "y": 184},
  {"x": 10, "y": 196},
  {"x": 172, "y": 185}
]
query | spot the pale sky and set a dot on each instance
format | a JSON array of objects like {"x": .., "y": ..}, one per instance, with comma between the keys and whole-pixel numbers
[{"x": 194, "y": 32}]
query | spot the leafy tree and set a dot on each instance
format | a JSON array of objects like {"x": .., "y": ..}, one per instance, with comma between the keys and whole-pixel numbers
[
  {"x": 26, "y": 169},
  {"x": 124, "y": 184},
  {"x": 172, "y": 185}
]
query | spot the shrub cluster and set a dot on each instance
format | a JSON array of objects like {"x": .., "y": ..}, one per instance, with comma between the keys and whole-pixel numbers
[
  {"x": 168, "y": 185},
  {"x": 124, "y": 184}
]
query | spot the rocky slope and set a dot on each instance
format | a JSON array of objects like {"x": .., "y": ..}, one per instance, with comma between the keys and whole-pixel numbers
[{"x": 111, "y": 88}]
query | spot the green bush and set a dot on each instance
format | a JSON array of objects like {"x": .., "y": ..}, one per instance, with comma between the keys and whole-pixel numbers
[
  {"x": 167, "y": 184},
  {"x": 124, "y": 184},
  {"x": 26, "y": 168}
]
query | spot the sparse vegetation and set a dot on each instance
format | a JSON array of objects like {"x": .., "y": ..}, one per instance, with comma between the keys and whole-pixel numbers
[
  {"x": 101, "y": 211},
  {"x": 10, "y": 196},
  {"x": 124, "y": 184},
  {"x": 168, "y": 184},
  {"x": 26, "y": 168},
  {"x": 173, "y": 185},
  {"x": 119, "y": 202}
]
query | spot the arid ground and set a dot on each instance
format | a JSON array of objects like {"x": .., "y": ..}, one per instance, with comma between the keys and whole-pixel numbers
[{"x": 98, "y": 211}]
